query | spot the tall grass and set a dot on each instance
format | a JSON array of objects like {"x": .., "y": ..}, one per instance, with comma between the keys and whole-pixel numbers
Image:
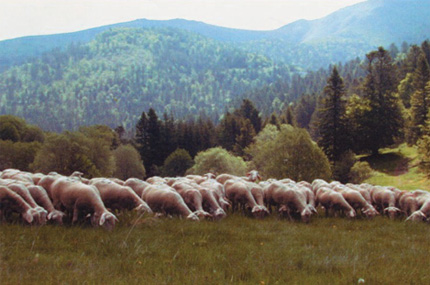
[{"x": 237, "y": 250}]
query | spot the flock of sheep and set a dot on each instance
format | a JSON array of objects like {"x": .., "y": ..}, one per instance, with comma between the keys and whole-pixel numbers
[{"x": 39, "y": 198}]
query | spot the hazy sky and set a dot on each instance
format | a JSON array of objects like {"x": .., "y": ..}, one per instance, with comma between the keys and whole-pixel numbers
[{"x": 35, "y": 17}]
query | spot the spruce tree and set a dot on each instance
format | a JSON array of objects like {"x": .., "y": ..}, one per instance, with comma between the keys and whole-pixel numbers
[
  {"x": 332, "y": 123},
  {"x": 377, "y": 117},
  {"x": 420, "y": 100}
]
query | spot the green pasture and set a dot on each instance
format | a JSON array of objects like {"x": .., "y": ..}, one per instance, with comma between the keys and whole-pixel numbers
[
  {"x": 397, "y": 167},
  {"x": 236, "y": 250}
]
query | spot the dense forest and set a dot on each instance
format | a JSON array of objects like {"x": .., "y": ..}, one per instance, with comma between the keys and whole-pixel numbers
[
  {"x": 124, "y": 71},
  {"x": 363, "y": 106}
]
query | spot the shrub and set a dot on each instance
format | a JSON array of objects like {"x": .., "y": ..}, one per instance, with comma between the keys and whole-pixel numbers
[
  {"x": 288, "y": 152},
  {"x": 128, "y": 163},
  {"x": 360, "y": 172},
  {"x": 177, "y": 163},
  {"x": 217, "y": 160}
]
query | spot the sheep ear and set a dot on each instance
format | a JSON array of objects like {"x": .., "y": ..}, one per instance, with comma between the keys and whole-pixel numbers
[
  {"x": 102, "y": 219},
  {"x": 259, "y": 177}
]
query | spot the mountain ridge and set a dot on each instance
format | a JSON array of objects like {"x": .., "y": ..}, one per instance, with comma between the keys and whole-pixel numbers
[{"x": 371, "y": 23}]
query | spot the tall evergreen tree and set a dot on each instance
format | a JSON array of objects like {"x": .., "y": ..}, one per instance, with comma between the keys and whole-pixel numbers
[
  {"x": 248, "y": 111},
  {"x": 141, "y": 137},
  {"x": 377, "y": 117},
  {"x": 245, "y": 138},
  {"x": 332, "y": 123},
  {"x": 420, "y": 100}
]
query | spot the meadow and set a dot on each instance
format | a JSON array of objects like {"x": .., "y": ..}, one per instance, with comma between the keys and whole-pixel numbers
[{"x": 236, "y": 250}]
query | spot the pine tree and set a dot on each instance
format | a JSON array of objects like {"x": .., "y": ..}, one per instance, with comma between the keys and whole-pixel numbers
[
  {"x": 332, "y": 123},
  {"x": 377, "y": 118},
  {"x": 420, "y": 100},
  {"x": 245, "y": 138},
  {"x": 248, "y": 111},
  {"x": 141, "y": 137},
  {"x": 289, "y": 117}
]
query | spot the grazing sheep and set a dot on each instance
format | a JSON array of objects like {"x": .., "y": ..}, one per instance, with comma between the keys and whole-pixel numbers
[
  {"x": 408, "y": 203},
  {"x": 22, "y": 190},
  {"x": 240, "y": 195},
  {"x": 81, "y": 199},
  {"x": 156, "y": 180},
  {"x": 164, "y": 199},
  {"x": 356, "y": 200},
  {"x": 222, "y": 178},
  {"x": 288, "y": 199},
  {"x": 332, "y": 200},
  {"x": 422, "y": 214},
  {"x": 192, "y": 197},
  {"x": 218, "y": 192},
  {"x": 210, "y": 203},
  {"x": 41, "y": 197},
  {"x": 317, "y": 184},
  {"x": 118, "y": 197},
  {"x": 11, "y": 201},
  {"x": 137, "y": 185},
  {"x": 385, "y": 201}
]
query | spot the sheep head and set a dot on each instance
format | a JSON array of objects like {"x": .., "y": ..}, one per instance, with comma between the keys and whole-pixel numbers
[{"x": 417, "y": 216}]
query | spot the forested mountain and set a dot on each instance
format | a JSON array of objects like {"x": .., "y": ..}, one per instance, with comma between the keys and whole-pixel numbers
[
  {"x": 342, "y": 35},
  {"x": 124, "y": 71}
]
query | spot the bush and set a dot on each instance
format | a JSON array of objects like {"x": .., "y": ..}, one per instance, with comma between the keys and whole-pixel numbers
[
  {"x": 218, "y": 160},
  {"x": 360, "y": 172},
  {"x": 71, "y": 151},
  {"x": 288, "y": 153},
  {"x": 17, "y": 155},
  {"x": 128, "y": 163},
  {"x": 177, "y": 163}
]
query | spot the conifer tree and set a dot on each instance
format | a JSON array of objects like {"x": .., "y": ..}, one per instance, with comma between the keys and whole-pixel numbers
[
  {"x": 377, "y": 118},
  {"x": 420, "y": 100},
  {"x": 248, "y": 111},
  {"x": 332, "y": 123}
]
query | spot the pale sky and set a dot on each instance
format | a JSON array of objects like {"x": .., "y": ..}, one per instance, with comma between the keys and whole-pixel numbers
[{"x": 37, "y": 17}]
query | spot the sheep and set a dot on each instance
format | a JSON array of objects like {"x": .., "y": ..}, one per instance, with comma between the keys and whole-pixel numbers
[
  {"x": 238, "y": 192},
  {"x": 137, "y": 185},
  {"x": 22, "y": 190},
  {"x": 332, "y": 200},
  {"x": 210, "y": 203},
  {"x": 118, "y": 197},
  {"x": 192, "y": 196},
  {"x": 288, "y": 199},
  {"x": 156, "y": 180},
  {"x": 356, "y": 200},
  {"x": 164, "y": 199},
  {"x": 218, "y": 191},
  {"x": 81, "y": 199},
  {"x": 385, "y": 201},
  {"x": 11, "y": 201},
  {"x": 41, "y": 197}
]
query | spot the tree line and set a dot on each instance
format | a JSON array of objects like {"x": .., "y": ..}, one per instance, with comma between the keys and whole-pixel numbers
[{"x": 388, "y": 105}]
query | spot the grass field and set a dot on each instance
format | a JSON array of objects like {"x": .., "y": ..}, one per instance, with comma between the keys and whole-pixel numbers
[
  {"x": 398, "y": 167},
  {"x": 237, "y": 250}
]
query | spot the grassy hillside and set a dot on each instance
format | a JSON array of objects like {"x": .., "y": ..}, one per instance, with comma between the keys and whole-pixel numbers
[
  {"x": 237, "y": 250},
  {"x": 398, "y": 167}
]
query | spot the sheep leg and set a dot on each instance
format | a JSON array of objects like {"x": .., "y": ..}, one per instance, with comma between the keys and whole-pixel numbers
[{"x": 75, "y": 213}]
